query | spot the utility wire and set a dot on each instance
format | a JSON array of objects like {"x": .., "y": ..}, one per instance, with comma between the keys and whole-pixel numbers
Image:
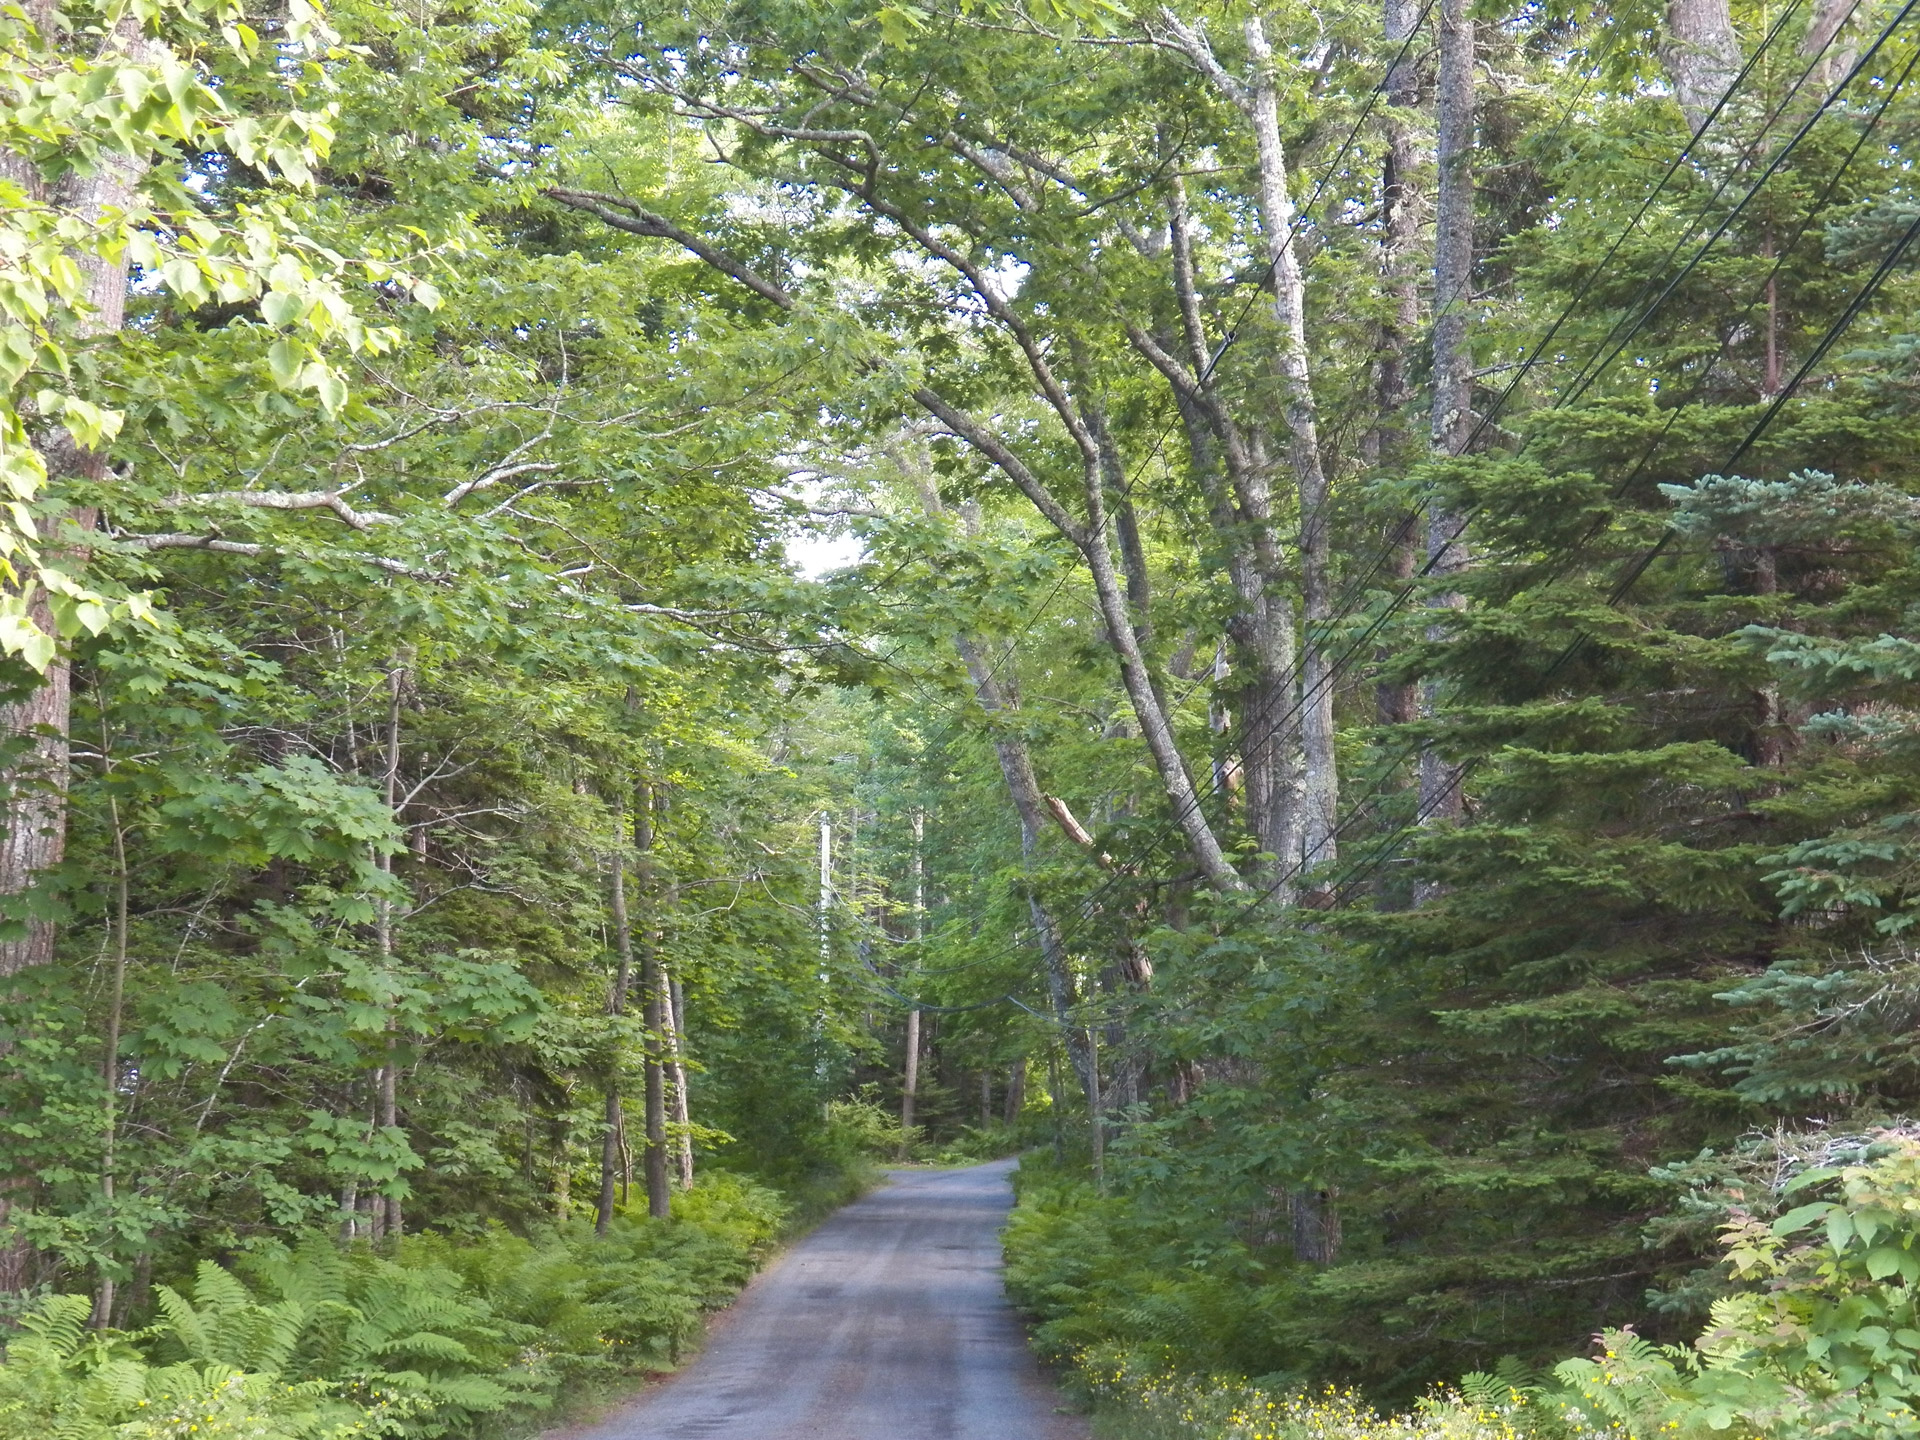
[
  {"x": 1087, "y": 907},
  {"x": 1219, "y": 354},
  {"x": 1409, "y": 588},
  {"x": 1832, "y": 335},
  {"x": 1347, "y": 608}
]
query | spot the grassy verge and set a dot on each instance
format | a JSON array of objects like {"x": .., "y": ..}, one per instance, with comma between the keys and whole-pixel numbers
[{"x": 1136, "y": 1406}]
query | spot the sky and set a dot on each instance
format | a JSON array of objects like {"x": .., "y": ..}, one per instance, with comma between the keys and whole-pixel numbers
[{"x": 814, "y": 554}]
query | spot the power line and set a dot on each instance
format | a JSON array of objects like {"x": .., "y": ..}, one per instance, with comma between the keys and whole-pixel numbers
[
  {"x": 1231, "y": 337},
  {"x": 1346, "y": 657},
  {"x": 1640, "y": 566},
  {"x": 1088, "y": 906},
  {"x": 1588, "y": 372},
  {"x": 1354, "y": 588}
]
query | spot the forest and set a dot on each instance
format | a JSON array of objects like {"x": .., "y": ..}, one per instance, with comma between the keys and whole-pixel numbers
[{"x": 617, "y": 614}]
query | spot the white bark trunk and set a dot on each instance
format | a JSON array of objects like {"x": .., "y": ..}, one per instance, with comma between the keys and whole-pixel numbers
[{"x": 1321, "y": 789}]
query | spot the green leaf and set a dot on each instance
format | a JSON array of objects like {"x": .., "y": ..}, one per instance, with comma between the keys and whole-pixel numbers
[
  {"x": 284, "y": 359},
  {"x": 1802, "y": 1216},
  {"x": 328, "y": 384},
  {"x": 1882, "y": 1261},
  {"x": 278, "y": 307}
]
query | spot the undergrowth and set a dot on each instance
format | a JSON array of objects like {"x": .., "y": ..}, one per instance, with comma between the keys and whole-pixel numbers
[
  {"x": 1817, "y": 1333},
  {"x": 449, "y": 1337},
  {"x": 1172, "y": 1407}
]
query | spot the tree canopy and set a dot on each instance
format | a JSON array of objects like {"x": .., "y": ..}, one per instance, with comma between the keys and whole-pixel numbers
[{"x": 1310, "y": 609}]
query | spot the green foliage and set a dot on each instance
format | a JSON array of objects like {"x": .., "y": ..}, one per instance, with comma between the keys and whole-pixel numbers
[
  {"x": 310, "y": 1340},
  {"x": 1821, "y": 1337},
  {"x": 463, "y": 524},
  {"x": 1816, "y": 1336}
]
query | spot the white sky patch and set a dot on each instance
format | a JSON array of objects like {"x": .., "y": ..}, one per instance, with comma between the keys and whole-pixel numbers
[
  {"x": 823, "y": 543},
  {"x": 815, "y": 554}
]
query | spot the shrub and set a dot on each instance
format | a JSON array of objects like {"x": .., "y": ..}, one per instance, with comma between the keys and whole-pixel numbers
[
  {"x": 1144, "y": 1405},
  {"x": 312, "y": 1342},
  {"x": 1820, "y": 1341},
  {"x": 61, "y": 1379},
  {"x": 1824, "y": 1340}
]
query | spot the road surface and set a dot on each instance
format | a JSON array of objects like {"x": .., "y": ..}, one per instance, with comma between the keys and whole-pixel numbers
[{"x": 886, "y": 1323}]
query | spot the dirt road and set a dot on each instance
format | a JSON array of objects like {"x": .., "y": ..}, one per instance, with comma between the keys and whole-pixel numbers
[{"x": 886, "y": 1323}]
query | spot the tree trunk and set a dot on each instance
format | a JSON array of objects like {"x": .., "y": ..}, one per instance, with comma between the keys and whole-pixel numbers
[
  {"x": 682, "y": 1102},
  {"x": 1315, "y": 1224},
  {"x": 910, "y": 1080},
  {"x": 659, "y": 1192},
  {"x": 389, "y": 1084},
  {"x": 1029, "y": 804},
  {"x": 1321, "y": 789},
  {"x": 1090, "y": 539},
  {"x": 1016, "y": 1089},
  {"x": 33, "y": 812},
  {"x": 1701, "y": 54},
  {"x": 1156, "y": 729},
  {"x": 610, "y": 1163},
  {"x": 1824, "y": 39},
  {"x": 110, "y": 1067},
  {"x": 1261, "y": 625},
  {"x": 1096, "y": 1116},
  {"x": 1396, "y": 703},
  {"x": 1452, "y": 411},
  {"x": 1057, "y": 1104}
]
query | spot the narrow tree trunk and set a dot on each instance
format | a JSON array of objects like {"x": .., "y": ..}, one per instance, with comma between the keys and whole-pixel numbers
[
  {"x": 676, "y": 1017},
  {"x": 1824, "y": 39},
  {"x": 659, "y": 1192},
  {"x": 910, "y": 1079},
  {"x": 986, "y": 1098},
  {"x": 375, "y": 1202},
  {"x": 1452, "y": 411},
  {"x": 1029, "y": 804},
  {"x": 1771, "y": 733},
  {"x": 1396, "y": 703},
  {"x": 110, "y": 1067},
  {"x": 1261, "y": 627},
  {"x": 1057, "y": 1104},
  {"x": 1315, "y": 1224},
  {"x": 389, "y": 1085},
  {"x": 1096, "y": 1116},
  {"x": 611, "y": 1166},
  {"x": 1271, "y": 737},
  {"x": 1016, "y": 1089},
  {"x": 1136, "y": 677},
  {"x": 1770, "y": 374},
  {"x": 563, "y": 1171}
]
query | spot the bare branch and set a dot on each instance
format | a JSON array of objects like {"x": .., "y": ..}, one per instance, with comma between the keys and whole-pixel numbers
[
  {"x": 219, "y": 546},
  {"x": 332, "y": 500},
  {"x": 624, "y": 215},
  {"x": 1192, "y": 42},
  {"x": 495, "y": 476},
  {"x": 996, "y": 164},
  {"x": 967, "y": 428},
  {"x": 1076, "y": 832},
  {"x": 1177, "y": 374}
]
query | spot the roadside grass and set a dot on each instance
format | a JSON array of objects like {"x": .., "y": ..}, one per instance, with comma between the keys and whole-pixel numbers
[{"x": 1134, "y": 1406}]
